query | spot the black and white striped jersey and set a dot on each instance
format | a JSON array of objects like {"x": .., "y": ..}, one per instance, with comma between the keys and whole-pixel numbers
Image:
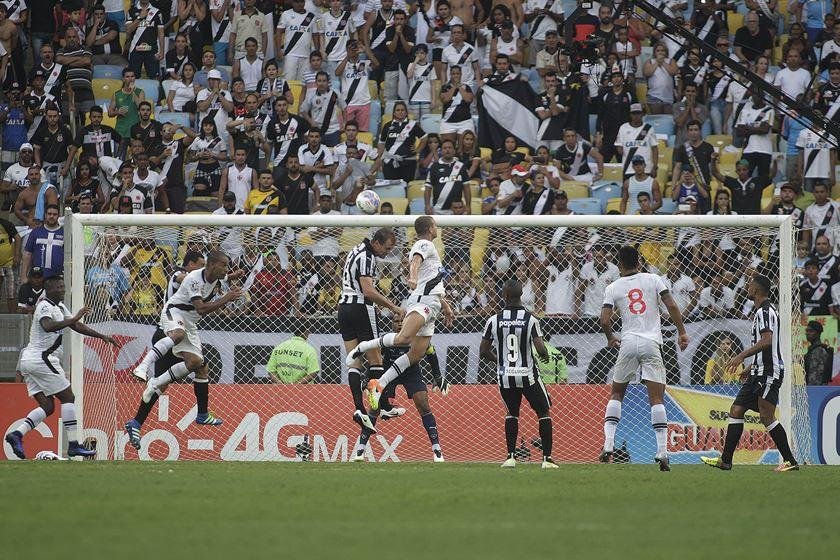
[
  {"x": 360, "y": 262},
  {"x": 513, "y": 331},
  {"x": 769, "y": 362}
]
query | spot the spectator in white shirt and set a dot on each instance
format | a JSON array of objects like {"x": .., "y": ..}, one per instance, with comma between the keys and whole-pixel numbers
[{"x": 718, "y": 301}]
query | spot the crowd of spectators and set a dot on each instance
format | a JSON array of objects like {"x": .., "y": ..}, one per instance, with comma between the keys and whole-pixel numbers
[{"x": 296, "y": 106}]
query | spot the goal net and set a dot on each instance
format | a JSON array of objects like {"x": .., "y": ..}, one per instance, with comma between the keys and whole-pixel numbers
[{"x": 120, "y": 265}]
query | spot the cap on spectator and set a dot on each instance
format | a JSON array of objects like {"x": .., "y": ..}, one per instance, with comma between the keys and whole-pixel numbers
[
  {"x": 686, "y": 167},
  {"x": 562, "y": 194},
  {"x": 691, "y": 198},
  {"x": 519, "y": 171},
  {"x": 38, "y": 74},
  {"x": 551, "y": 32},
  {"x": 325, "y": 193},
  {"x": 743, "y": 162},
  {"x": 637, "y": 159},
  {"x": 36, "y": 271},
  {"x": 635, "y": 107},
  {"x": 26, "y": 146},
  {"x": 815, "y": 326},
  {"x": 229, "y": 195},
  {"x": 14, "y": 86},
  {"x": 214, "y": 75},
  {"x": 790, "y": 186}
]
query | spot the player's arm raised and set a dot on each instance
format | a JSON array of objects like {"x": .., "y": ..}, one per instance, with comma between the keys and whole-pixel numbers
[
  {"x": 676, "y": 317},
  {"x": 371, "y": 293},
  {"x": 206, "y": 307},
  {"x": 51, "y": 325},
  {"x": 85, "y": 330}
]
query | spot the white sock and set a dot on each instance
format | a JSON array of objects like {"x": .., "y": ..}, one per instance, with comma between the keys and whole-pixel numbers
[
  {"x": 400, "y": 365},
  {"x": 611, "y": 418},
  {"x": 660, "y": 425},
  {"x": 385, "y": 341},
  {"x": 35, "y": 417},
  {"x": 68, "y": 418},
  {"x": 158, "y": 350},
  {"x": 176, "y": 372}
]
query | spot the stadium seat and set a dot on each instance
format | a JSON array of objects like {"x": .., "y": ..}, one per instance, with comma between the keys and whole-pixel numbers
[
  {"x": 575, "y": 189},
  {"x": 415, "y": 189},
  {"x": 778, "y": 54},
  {"x": 107, "y": 71},
  {"x": 729, "y": 156},
  {"x": 835, "y": 192},
  {"x": 350, "y": 237},
  {"x": 375, "y": 115},
  {"x": 591, "y": 206},
  {"x": 297, "y": 93},
  {"x": 430, "y": 124},
  {"x": 804, "y": 200},
  {"x": 734, "y": 21},
  {"x": 151, "y": 88},
  {"x": 523, "y": 150},
  {"x": 417, "y": 207},
  {"x": 666, "y": 156},
  {"x": 613, "y": 204},
  {"x": 166, "y": 85},
  {"x": 719, "y": 140},
  {"x": 367, "y": 138},
  {"x": 106, "y": 120},
  {"x": 613, "y": 172},
  {"x": 400, "y": 204},
  {"x": 641, "y": 92},
  {"x": 176, "y": 117},
  {"x": 668, "y": 206},
  {"x": 662, "y": 124},
  {"x": 478, "y": 249},
  {"x": 605, "y": 191},
  {"x": 486, "y": 154},
  {"x": 396, "y": 190},
  {"x": 103, "y": 89}
]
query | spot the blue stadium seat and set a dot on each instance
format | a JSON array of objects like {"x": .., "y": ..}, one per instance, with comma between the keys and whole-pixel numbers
[
  {"x": 417, "y": 207},
  {"x": 668, "y": 206},
  {"x": 662, "y": 124},
  {"x": 591, "y": 206},
  {"x": 184, "y": 119},
  {"x": 110, "y": 71},
  {"x": 151, "y": 88},
  {"x": 604, "y": 191},
  {"x": 375, "y": 116},
  {"x": 430, "y": 123},
  {"x": 391, "y": 191}
]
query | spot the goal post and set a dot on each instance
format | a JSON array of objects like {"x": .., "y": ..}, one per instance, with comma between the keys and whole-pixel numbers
[{"x": 119, "y": 263}]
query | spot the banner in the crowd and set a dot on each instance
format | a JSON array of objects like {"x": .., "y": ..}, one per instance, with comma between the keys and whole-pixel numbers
[{"x": 238, "y": 356}]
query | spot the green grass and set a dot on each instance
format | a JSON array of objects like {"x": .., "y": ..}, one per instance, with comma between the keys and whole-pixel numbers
[{"x": 293, "y": 510}]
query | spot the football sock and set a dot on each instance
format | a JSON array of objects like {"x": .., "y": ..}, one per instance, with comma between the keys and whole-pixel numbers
[
  {"x": 354, "y": 378},
  {"x": 511, "y": 431},
  {"x": 145, "y": 408},
  {"x": 431, "y": 428},
  {"x": 35, "y": 417},
  {"x": 176, "y": 372},
  {"x": 68, "y": 418},
  {"x": 397, "y": 368},
  {"x": 777, "y": 432},
  {"x": 201, "y": 388},
  {"x": 660, "y": 426},
  {"x": 384, "y": 341},
  {"x": 546, "y": 435},
  {"x": 734, "y": 429},
  {"x": 158, "y": 350},
  {"x": 365, "y": 436},
  {"x": 611, "y": 419}
]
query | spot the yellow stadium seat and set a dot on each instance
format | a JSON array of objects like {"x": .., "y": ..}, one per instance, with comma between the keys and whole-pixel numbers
[
  {"x": 475, "y": 206},
  {"x": 778, "y": 54},
  {"x": 666, "y": 155},
  {"x": 613, "y": 172},
  {"x": 350, "y": 237},
  {"x": 735, "y": 22},
  {"x": 783, "y": 9},
  {"x": 641, "y": 92},
  {"x": 478, "y": 249},
  {"x": 486, "y": 154},
  {"x": 374, "y": 89},
  {"x": 415, "y": 189},
  {"x": 719, "y": 140},
  {"x": 727, "y": 169},
  {"x": 613, "y": 204},
  {"x": 804, "y": 200},
  {"x": 104, "y": 88},
  {"x": 400, "y": 204},
  {"x": 297, "y": 92},
  {"x": 475, "y": 188},
  {"x": 663, "y": 175},
  {"x": 729, "y": 157},
  {"x": 835, "y": 192},
  {"x": 575, "y": 189},
  {"x": 523, "y": 150},
  {"x": 367, "y": 138},
  {"x": 106, "y": 120},
  {"x": 767, "y": 195},
  {"x": 385, "y": 285}
]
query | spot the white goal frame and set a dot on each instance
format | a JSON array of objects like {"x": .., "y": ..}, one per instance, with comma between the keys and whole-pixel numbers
[{"x": 74, "y": 225}]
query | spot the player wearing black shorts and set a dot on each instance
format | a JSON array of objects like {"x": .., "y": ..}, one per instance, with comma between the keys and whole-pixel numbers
[
  {"x": 415, "y": 387},
  {"x": 357, "y": 316},
  {"x": 762, "y": 380},
  {"x": 193, "y": 260},
  {"x": 515, "y": 331}
]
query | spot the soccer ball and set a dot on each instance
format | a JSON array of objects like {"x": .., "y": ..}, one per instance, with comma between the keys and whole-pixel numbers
[{"x": 368, "y": 202}]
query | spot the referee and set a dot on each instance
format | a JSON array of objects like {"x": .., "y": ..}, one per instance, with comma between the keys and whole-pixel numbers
[
  {"x": 762, "y": 380},
  {"x": 515, "y": 331},
  {"x": 357, "y": 314}
]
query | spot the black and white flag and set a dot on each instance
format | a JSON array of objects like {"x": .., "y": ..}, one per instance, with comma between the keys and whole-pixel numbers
[{"x": 507, "y": 109}]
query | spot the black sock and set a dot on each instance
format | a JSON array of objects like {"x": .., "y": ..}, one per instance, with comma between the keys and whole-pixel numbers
[
  {"x": 777, "y": 432},
  {"x": 201, "y": 388},
  {"x": 145, "y": 408},
  {"x": 511, "y": 431},
  {"x": 546, "y": 435},
  {"x": 431, "y": 427},
  {"x": 733, "y": 436},
  {"x": 354, "y": 377},
  {"x": 365, "y": 435}
]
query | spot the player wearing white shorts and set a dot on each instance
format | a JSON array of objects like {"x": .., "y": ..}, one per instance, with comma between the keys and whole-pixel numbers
[
  {"x": 40, "y": 365},
  {"x": 636, "y": 296},
  {"x": 422, "y": 308},
  {"x": 179, "y": 319}
]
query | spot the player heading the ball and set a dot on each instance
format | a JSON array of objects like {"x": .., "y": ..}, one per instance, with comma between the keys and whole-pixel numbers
[{"x": 636, "y": 296}]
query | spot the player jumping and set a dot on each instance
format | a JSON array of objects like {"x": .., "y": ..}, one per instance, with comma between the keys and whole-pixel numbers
[
  {"x": 636, "y": 296},
  {"x": 515, "y": 331},
  {"x": 40, "y": 365},
  {"x": 424, "y": 304},
  {"x": 178, "y": 320},
  {"x": 357, "y": 317},
  {"x": 763, "y": 378}
]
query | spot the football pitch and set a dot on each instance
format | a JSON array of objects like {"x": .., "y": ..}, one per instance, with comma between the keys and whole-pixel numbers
[{"x": 201, "y": 510}]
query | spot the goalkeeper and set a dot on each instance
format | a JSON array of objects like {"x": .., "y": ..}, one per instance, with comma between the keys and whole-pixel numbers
[{"x": 416, "y": 389}]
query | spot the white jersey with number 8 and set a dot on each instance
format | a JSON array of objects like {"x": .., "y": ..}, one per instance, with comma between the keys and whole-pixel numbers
[{"x": 637, "y": 299}]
